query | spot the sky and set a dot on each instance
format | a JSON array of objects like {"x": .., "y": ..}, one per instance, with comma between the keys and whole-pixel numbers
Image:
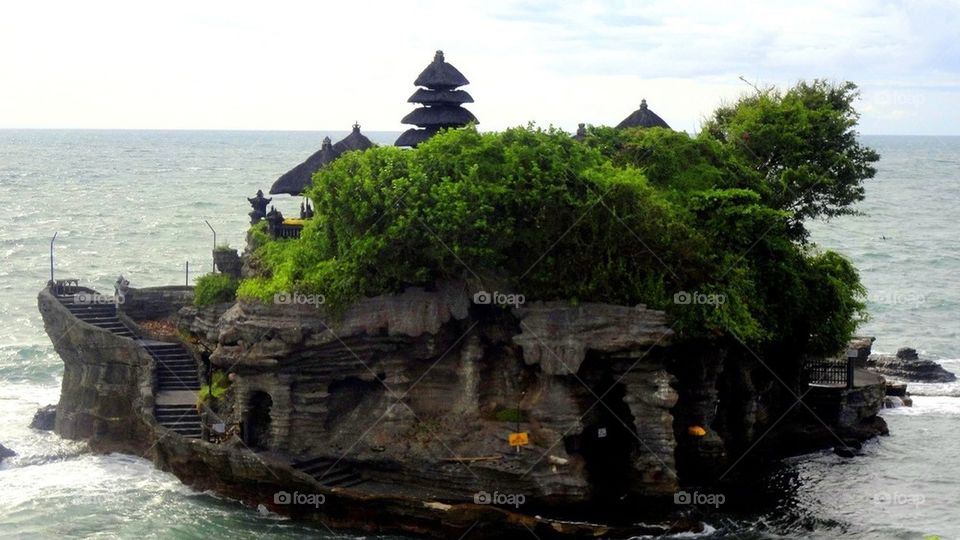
[{"x": 282, "y": 65}]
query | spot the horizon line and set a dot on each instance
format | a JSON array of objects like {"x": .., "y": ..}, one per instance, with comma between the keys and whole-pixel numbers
[{"x": 400, "y": 130}]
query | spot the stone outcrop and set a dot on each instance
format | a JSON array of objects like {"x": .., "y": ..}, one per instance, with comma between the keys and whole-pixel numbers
[
  {"x": 908, "y": 365},
  {"x": 227, "y": 261},
  {"x": 105, "y": 396},
  {"x": 416, "y": 394},
  {"x": 6, "y": 452},
  {"x": 45, "y": 418},
  {"x": 152, "y": 303}
]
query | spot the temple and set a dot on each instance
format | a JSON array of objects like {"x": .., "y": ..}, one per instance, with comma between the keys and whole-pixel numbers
[
  {"x": 441, "y": 103},
  {"x": 643, "y": 118},
  {"x": 296, "y": 180}
]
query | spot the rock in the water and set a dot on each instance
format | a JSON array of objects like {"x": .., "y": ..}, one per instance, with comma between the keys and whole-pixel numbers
[
  {"x": 897, "y": 389},
  {"x": 892, "y": 402},
  {"x": 44, "y": 418},
  {"x": 6, "y": 452},
  {"x": 845, "y": 451},
  {"x": 908, "y": 365}
]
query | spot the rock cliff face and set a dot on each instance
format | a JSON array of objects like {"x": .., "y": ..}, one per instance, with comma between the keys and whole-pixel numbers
[
  {"x": 105, "y": 396},
  {"x": 415, "y": 396},
  {"x": 412, "y": 388}
]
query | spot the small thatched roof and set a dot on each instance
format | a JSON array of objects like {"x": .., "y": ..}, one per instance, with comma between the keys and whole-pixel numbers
[
  {"x": 439, "y": 116},
  {"x": 413, "y": 136},
  {"x": 437, "y": 97},
  {"x": 354, "y": 141},
  {"x": 440, "y": 75},
  {"x": 296, "y": 180},
  {"x": 644, "y": 118}
]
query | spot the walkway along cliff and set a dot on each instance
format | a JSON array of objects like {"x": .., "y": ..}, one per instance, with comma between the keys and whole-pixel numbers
[{"x": 397, "y": 412}]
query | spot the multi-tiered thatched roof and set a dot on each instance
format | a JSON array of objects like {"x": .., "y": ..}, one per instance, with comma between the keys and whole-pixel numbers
[{"x": 441, "y": 102}]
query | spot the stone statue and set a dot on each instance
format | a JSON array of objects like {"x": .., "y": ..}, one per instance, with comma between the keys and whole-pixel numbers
[
  {"x": 120, "y": 290},
  {"x": 259, "y": 204}
]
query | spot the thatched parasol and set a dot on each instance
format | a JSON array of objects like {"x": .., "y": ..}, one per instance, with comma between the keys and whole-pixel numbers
[{"x": 644, "y": 118}]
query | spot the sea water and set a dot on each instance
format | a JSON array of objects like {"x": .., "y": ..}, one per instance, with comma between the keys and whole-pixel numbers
[{"x": 137, "y": 203}]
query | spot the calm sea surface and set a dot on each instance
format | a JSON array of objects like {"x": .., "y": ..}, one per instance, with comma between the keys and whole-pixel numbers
[{"x": 134, "y": 203}]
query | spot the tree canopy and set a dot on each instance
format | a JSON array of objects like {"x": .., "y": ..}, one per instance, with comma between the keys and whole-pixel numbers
[{"x": 627, "y": 216}]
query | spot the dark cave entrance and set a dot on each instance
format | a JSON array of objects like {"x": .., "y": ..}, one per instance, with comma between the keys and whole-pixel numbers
[
  {"x": 608, "y": 444},
  {"x": 256, "y": 432}
]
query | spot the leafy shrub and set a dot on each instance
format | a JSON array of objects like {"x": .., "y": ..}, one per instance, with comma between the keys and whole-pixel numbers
[
  {"x": 215, "y": 289},
  {"x": 626, "y": 217},
  {"x": 218, "y": 386}
]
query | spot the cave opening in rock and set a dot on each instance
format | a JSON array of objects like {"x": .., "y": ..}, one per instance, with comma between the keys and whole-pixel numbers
[
  {"x": 256, "y": 433},
  {"x": 608, "y": 443}
]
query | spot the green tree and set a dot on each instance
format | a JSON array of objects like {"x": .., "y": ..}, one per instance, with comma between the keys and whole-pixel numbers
[{"x": 803, "y": 144}]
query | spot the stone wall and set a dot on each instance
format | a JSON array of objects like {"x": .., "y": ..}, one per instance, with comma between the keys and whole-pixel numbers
[
  {"x": 106, "y": 396},
  {"x": 152, "y": 303}
]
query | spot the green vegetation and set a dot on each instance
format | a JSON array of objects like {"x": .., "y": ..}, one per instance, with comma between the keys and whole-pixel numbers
[
  {"x": 215, "y": 289},
  {"x": 510, "y": 415},
  {"x": 703, "y": 227},
  {"x": 219, "y": 384}
]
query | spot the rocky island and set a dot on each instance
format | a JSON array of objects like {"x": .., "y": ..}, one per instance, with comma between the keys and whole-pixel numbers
[{"x": 437, "y": 347}]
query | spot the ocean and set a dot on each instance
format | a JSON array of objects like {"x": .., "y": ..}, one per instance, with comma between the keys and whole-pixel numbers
[{"x": 136, "y": 203}]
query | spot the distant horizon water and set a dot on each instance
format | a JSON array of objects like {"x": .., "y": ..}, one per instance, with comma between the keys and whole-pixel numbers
[{"x": 364, "y": 129}]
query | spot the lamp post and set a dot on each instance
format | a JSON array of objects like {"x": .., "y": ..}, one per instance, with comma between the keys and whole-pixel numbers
[
  {"x": 214, "y": 267},
  {"x": 52, "y": 240}
]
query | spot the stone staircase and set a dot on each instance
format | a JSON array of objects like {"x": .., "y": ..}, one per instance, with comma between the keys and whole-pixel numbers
[
  {"x": 328, "y": 472},
  {"x": 177, "y": 381},
  {"x": 101, "y": 315},
  {"x": 176, "y": 386},
  {"x": 176, "y": 368},
  {"x": 181, "y": 418}
]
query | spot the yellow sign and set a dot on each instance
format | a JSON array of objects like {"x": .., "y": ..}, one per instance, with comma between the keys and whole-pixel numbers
[{"x": 519, "y": 439}]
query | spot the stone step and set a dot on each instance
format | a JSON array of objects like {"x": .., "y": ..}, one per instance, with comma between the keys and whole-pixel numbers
[
  {"x": 329, "y": 472},
  {"x": 177, "y": 374},
  {"x": 189, "y": 387},
  {"x": 171, "y": 408}
]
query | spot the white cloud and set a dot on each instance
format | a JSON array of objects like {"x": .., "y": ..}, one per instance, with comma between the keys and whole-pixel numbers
[{"x": 292, "y": 65}]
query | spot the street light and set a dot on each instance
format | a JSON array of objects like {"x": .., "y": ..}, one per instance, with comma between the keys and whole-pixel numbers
[
  {"x": 52, "y": 240},
  {"x": 214, "y": 267}
]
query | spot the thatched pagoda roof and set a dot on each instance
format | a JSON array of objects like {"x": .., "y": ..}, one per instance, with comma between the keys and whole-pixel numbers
[
  {"x": 437, "y": 97},
  {"x": 413, "y": 136},
  {"x": 644, "y": 118},
  {"x": 440, "y": 75},
  {"x": 296, "y": 180},
  {"x": 354, "y": 141},
  {"x": 439, "y": 116}
]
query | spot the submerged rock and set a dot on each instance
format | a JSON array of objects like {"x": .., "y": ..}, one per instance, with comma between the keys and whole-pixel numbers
[
  {"x": 45, "y": 418},
  {"x": 6, "y": 452},
  {"x": 908, "y": 365}
]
